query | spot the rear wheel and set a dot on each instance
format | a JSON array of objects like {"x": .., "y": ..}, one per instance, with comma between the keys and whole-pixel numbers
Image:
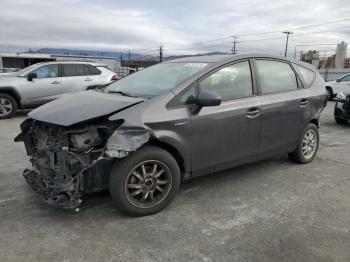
[
  {"x": 145, "y": 182},
  {"x": 8, "y": 106},
  {"x": 340, "y": 120},
  {"x": 307, "y": 147}
]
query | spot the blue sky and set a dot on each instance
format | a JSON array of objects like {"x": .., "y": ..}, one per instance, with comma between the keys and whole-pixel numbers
[{"x": 144, "y": 25}]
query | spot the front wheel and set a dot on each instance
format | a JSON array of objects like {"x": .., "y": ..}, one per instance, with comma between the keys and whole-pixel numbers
[
  {"x": 8, "y": 106},
  {"x": 145, "y": 182},
  {"x": 307, "y": 147}
]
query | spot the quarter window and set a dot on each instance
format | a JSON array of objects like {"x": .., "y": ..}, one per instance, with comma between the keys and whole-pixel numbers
[
  {"x": 307, "y": 74},
  {"x": 73, "y": 70},
  {"x": 48, "y": 71},
  {"x": 276, "y": 76},
  {"x": 231, "y": 82}
]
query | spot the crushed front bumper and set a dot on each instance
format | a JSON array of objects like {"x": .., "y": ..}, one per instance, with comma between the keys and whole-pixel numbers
[{"x": 60, "y": 197}]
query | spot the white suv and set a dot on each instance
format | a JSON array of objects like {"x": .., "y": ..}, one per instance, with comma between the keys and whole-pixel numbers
[
  {"x": 341, "y": 84},
  {"x": 44, "y": 82}
]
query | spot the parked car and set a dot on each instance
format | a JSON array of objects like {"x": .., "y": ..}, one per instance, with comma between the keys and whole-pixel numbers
[
  {"x": 8, "y": 71},
  {"x": 44, "y": 82},
  {"x": 341, "y": 84},
  {"x": 144, "y": 134},
  {"x": 342, "y": 108}
]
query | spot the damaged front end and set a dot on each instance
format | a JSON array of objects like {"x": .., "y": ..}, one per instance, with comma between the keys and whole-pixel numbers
[{"x": 69, "y": 162}]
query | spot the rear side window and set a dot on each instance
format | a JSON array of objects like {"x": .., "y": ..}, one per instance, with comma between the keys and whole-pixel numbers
[
  {"x": 230, "y": 82},
  {"x": 276, "y": 77},
  {"x": 73, "y": 70},
  {"x": 93, "y": 70},
  {"x": 306, "y": 74}
]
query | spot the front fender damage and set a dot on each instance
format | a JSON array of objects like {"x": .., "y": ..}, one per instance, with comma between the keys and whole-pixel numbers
[
  {"x": 71, "y": 162},
  {"x": 124, "y": 141}
]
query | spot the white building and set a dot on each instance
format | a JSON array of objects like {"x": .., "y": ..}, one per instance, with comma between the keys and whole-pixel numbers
[{"x": 340, "y": 55}]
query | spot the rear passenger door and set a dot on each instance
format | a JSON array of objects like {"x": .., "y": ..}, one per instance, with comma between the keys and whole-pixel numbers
[
  {"x": 285, "y": 106},
  {"x": 76, "y": 77}
]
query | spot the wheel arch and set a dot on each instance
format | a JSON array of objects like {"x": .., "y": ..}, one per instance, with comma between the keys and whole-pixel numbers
[
  {"x": 173, "y": 151},
  {"x": 316, "y": 122},
  {"x": 11, "y": 92}
]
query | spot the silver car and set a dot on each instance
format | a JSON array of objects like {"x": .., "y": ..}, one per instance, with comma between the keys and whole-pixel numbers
[{"x": 40, "y": 83}]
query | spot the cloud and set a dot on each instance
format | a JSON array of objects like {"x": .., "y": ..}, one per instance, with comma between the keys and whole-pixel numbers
[{"x": 143, "y": 25}]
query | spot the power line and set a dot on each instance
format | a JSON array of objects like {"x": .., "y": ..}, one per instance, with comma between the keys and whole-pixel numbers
[{"x": 264, "y": 33}]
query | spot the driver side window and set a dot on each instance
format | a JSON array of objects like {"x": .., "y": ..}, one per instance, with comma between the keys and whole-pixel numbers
[
  {"x": 231, "y": 82},
  {"x": 48, "y": 71}
]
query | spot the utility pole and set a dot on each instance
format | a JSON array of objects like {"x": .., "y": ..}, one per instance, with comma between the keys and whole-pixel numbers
[
  {"x": 129, "y": 55},
  {"x": 287, "y": 33},
  {"x": 161, "y": 53},
  {"x": 233, "y": 49}
]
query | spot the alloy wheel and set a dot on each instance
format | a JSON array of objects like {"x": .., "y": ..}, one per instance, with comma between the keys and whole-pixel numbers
[
  {"x": 148, "y": 183},
  {"x": 309, "y": 144},
  {"x": 5, "y": 107}
]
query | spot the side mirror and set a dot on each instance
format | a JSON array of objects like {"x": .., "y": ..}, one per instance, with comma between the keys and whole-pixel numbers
[
  {"x": 31, "y": 76},
  {"x": 205, "y": 98},
  {"x": 338, "y": 80}
]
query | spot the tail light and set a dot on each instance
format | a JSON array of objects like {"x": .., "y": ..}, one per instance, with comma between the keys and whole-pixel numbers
[{"x": 115, "y": 78}]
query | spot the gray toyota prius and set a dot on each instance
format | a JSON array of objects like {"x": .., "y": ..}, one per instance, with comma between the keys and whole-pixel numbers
[{"x": 140, "y": 137}]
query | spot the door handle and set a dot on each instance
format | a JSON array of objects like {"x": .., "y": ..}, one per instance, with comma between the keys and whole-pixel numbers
[
  {"x": 304, "y": 102},
  {"x": 88, "y": 79},
  {"x": 253, "y": 112},
  {"x": 55, "y": 82}
]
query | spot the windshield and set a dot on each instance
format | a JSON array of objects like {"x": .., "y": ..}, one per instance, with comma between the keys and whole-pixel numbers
[{"x": 156, "y": 80}]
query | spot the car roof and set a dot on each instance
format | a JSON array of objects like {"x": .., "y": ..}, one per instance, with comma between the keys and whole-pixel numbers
[
  {"x": 70, "y": 62},
  {"x": 222, "y": 59}
]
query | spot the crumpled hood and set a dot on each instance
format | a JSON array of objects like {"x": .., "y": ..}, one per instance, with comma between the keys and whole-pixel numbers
[{"x": 79, "y": 107}]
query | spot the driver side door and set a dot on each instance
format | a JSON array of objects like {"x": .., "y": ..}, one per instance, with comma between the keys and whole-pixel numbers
[
  {"x": 46, "y": 87},
  {"x": 229, "y": 134}
]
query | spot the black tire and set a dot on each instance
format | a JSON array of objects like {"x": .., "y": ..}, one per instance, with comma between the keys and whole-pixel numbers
[
  {"x": 7, "y": 101},
  {"x": 330, "y": 93},
  {"x": 122, "y": 174},
  {"x": 298, "y": 155},
  {"x": 340, "y": 121}
]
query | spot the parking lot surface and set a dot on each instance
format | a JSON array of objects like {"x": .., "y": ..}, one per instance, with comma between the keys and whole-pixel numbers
[{"x": 272, "y": 210}]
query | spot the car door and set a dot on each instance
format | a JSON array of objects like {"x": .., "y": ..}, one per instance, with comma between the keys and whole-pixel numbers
[
  {"x": 76, "y": 78},
  {"x": 285, "y": 106},
  {"x": 46, "y": 87},
  {"x": 226, "y": 135}
]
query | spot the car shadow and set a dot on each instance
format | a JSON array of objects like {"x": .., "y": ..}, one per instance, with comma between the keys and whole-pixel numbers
[{"x": 100, "y": 203}]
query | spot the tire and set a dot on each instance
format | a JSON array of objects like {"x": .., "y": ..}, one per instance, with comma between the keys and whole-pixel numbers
[
  {"x": 129, "y": 183},
  {"x": 303, "y": 153},
  {"x": 330, "y": 93},
  {"x": 340, "y": 121},
  {"x": 8, "y": 106}
]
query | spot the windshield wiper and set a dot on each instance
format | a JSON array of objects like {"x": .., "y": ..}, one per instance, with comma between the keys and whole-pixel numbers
[{"x": 121, "y": 93}]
